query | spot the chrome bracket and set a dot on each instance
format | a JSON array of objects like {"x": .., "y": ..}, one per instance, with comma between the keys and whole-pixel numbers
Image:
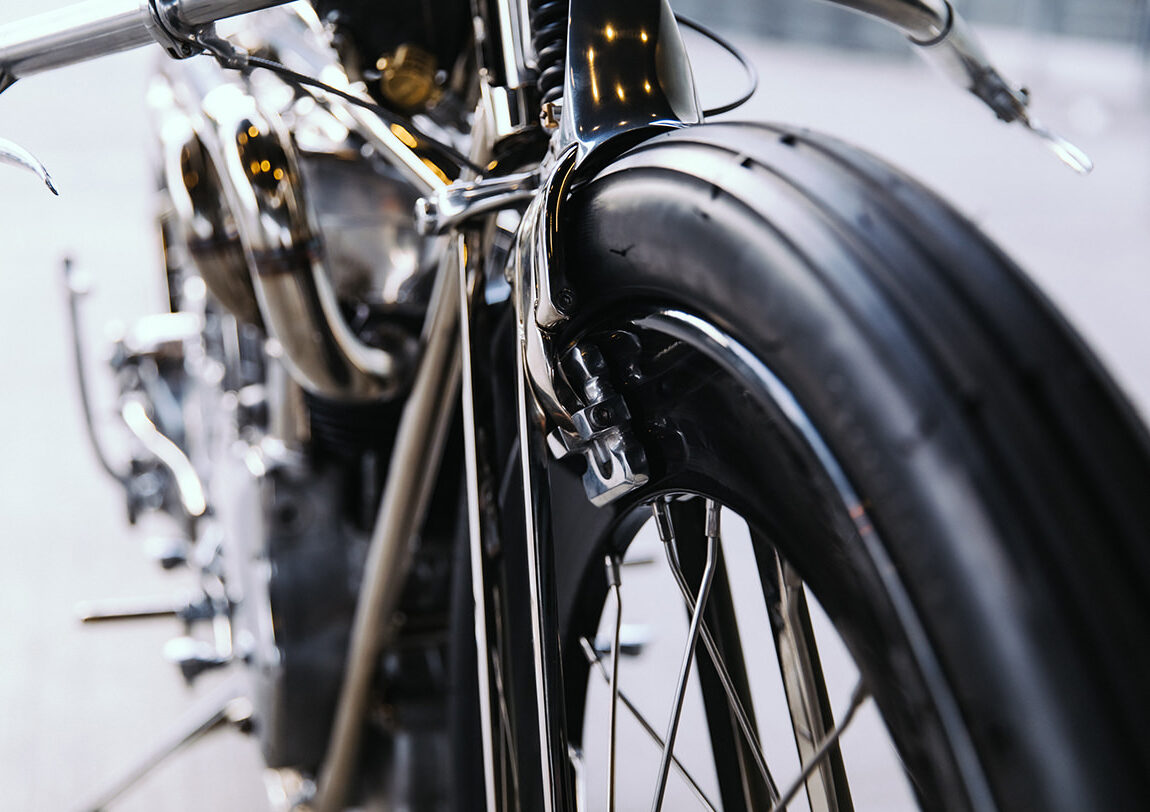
[
  {"x": 175, "y": 36},
  {"x": 182, "y": 41},
  {"x": 583, "y": 413},
  {"x": 616, "y": 462},
  {"x": 454, "y": 205},
  {"x": 12, "y": 153}
]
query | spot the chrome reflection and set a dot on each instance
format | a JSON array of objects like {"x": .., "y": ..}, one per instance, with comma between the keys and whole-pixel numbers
[
  {"x": 298, "y": 216},
  {"x": 263, "y": 186},
  {"x": 626, "y": 68}
]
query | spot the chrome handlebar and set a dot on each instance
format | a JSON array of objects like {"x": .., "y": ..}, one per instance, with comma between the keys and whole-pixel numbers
[{"x": 94, "y": 28}]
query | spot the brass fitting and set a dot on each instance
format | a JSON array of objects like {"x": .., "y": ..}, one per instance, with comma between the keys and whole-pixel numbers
[{"x": 407, "y": 77}]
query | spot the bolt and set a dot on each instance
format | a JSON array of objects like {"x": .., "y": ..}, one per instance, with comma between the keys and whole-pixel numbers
[
  {"x": 549, "y": 116},
  {"x": 565, "y": 301},
  {"x": 601, "y": 416}
]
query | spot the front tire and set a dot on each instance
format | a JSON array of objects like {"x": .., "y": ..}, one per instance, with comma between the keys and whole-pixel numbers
[{"x": 993, "y": 594}]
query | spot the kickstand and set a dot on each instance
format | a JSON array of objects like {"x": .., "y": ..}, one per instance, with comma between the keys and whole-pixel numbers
[{"x": 226, "y": 704}]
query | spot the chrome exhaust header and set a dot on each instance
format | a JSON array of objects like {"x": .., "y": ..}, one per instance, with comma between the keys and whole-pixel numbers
[
  {"x": 262, "y": 183},
  {"x": 253, "y": 216}
]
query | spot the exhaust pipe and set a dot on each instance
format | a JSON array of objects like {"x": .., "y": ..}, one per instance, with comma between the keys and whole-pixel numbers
[{"x": 237, "y": 188}]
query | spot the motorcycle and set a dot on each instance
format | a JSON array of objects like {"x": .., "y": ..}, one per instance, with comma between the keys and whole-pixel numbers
[{"x": 472, "y": 315}]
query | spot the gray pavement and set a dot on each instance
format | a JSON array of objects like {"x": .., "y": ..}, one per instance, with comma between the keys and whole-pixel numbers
[{"x": 76, "y": 704}]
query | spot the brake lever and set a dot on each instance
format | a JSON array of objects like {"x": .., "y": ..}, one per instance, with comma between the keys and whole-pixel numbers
[
  {"x": 12, "y": 153},
  {"x": 960, "y": 55},
  {"x": 1066, "y": 152},
  {"x": 944, "y": 38}
]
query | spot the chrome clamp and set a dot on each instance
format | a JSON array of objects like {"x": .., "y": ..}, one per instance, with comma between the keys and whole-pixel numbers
[
  {"x": 454, "y": 205},
  {"x": 601, "y": 430},
  {"x": 581, "y": 409},
  {"x": 173, "y": 35},
  {"x": 182, "y": 40}
]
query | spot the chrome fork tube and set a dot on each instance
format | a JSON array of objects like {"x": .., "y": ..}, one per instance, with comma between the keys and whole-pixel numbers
[
  {"x": 475, "y": 507},
  {"x": 558, "y": 793},
  {"x": 414, "y": 467}
]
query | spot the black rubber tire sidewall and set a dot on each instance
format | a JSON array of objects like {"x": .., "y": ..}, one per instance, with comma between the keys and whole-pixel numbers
[{"x": 928, "y": 364}]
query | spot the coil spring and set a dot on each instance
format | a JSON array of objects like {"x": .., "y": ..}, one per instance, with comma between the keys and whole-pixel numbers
[{"x": 549, "y": 37}]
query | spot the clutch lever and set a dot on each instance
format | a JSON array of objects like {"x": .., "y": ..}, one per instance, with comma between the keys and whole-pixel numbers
[{"x": 11, "y": 153}]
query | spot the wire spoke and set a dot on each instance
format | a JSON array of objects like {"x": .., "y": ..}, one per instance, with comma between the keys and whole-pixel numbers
[
  {"x": 858, "y": 696},
  {"x": 712, "y": 534},
  {"x": 666, "y": 533},
  {"x": 593, "y": 658},
  {"x": 805, "y": 687},
  {"x": 614, "y": 583}
]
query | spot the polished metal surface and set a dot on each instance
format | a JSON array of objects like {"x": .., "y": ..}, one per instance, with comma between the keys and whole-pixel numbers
[
  {"x": 614, "y": 585},
  {"x": 303, "y": 44},
  {"x": 363, "y": 213},
  {"x": 601, "y": 430},
  {"x": 201, "y": 12},
  {"x": 665, "y": 528},
  {"x": 201, "y": 219},
  {"x": 805, "y": 689},
  {"x": 260, "y": 174},
  {"x": 626, "y": 69},
  {"x": 532, "y": 409},
  {"x": 944, "y": 37},
  {"x": 76, "y": 289},
  {"x": 412, "y": 473},
  {"x": 470, "y": 288},
  {"x": 461, "y": 201},
  {"x": 73, "y": 34},
  {"x": 334, "y": 227},
  {"x": 921, "y": 20},
  {"x": 100, "y": 27},
  {"x": 530, "y": 271},
  {"x": 187, "y": 481},
  {"x": 16, "y": 155},
  {"x": 545, "y": 653},
  {"x": 515, "y": 37},
  {"x": 858, "y": 696}
]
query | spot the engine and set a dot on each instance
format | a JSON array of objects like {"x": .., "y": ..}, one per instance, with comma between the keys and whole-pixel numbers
[{"x": 264, "y": 404}]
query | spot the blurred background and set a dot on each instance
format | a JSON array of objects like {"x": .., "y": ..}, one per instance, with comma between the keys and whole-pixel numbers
[{"x": 76, "y": 705}]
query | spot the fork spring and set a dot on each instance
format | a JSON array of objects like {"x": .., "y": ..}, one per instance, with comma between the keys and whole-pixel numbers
[{"x": 549, "y": 38}]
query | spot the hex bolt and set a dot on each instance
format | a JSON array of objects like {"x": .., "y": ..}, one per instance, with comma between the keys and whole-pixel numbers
[{"x": 601, "y": 416}]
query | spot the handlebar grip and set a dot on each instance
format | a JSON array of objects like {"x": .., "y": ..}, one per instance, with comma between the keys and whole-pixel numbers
[{"x": 99, "y": 27}]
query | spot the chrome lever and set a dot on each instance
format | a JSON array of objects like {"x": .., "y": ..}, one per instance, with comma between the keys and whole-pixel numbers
[
  {"x": 944, "y": 38},
  {"x": 453, "y": 205},
  {"x": 12, "y": 153},
  {"x": 1066, "y": 152},
  {"x": 958, "y": 52}
]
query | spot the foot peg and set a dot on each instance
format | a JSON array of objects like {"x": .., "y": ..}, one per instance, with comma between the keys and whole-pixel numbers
[{"x": 143, "y": 609}]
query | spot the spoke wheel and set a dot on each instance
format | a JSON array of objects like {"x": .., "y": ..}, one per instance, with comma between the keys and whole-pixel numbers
[
  {"x": 737, "y": 660},
  {"x": 915, "y": 441},
  {"x": 717, "y": 693},
  {"x": 830, "y": 352}
]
